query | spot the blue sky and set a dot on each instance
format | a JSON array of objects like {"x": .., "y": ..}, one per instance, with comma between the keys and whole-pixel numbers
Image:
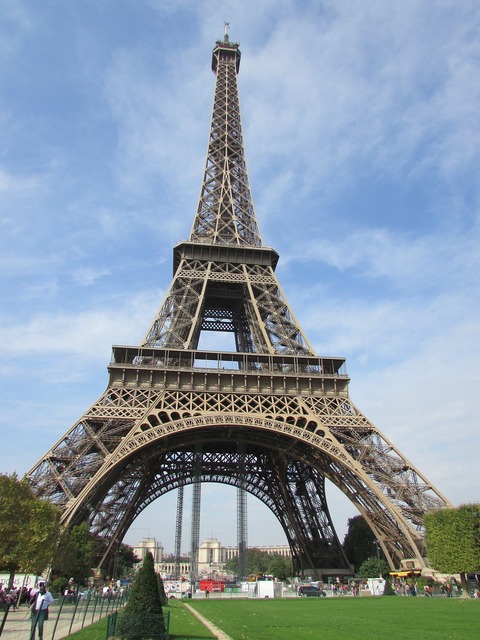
[{"x": 362, "y": 133}]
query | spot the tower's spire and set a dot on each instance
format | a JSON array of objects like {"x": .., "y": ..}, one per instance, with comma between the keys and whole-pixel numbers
[
  {"x": 225, "y": 213},
  {"x": 224, "y": 279}
]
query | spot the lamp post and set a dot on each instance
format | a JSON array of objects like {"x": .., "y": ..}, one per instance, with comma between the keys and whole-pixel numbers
[{"x": 377, "y": 546}]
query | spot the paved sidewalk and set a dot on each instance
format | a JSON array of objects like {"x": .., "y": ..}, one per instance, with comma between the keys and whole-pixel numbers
[{"x": 18, "y": 623}]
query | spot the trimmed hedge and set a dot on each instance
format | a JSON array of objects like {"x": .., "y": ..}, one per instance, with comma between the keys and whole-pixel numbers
[{"x": 143, "y": 614}]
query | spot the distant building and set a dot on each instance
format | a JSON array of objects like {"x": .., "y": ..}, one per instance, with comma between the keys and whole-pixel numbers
[
  {"x": 279, "y": 549},
  {"x": 149, "y": 544},
  {"x": 211, "y": 557}
]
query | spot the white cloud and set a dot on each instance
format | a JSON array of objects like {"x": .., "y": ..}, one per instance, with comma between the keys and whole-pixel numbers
[
  {"x": 410, "y": 261},
  {"x": 18, "y": 185},
  {"x": 87, "y": 276},
  {"x": 17, "y": 23},
  {"x": 149, "y": 117},
  {"x": 387, "y": 87},
  {"x": 82, "y": 333},
  {"x": 45, "y": 290}
]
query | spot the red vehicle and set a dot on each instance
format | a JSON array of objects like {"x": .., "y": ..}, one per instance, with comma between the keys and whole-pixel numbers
[{"x": 212, "y": 585}]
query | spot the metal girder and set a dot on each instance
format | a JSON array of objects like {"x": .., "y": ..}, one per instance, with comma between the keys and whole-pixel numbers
[
  {"x": 178, "y": 532},
  {"x": 290, "y": 426},
  {"x": 253, "y": 299},
  {"x": 196, "y": 502},
  {"x": 242, "y": 530}
]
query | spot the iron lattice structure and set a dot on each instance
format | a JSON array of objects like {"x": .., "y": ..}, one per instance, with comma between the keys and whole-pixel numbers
[
  {"x": 271, "y": 418},
  {"x": 242, "y": 528},
  {"x": 178, "y": 533}
]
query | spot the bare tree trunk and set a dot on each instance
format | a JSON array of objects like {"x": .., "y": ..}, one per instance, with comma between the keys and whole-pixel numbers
[
  {"x": 11, "y": 577},
  {"x": 464, "y": 583}
]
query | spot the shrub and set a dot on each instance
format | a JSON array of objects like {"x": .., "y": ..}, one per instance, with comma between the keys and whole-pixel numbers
[
  {"x": 59, "y": 585},
  {"x": 143, "y": 615},
  {"x": 161, "y": 590}
]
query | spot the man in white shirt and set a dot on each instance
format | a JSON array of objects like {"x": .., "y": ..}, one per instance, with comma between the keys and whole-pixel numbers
[{"x": 39, "y": 610}]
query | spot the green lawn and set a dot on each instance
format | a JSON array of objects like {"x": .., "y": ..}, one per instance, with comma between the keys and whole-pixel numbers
[
  {"x": 345, "y": 618},
  {"x": 183, "y": 626},
  {"x": 95, "y": 631},
  {"x": 311, "y": 618}
]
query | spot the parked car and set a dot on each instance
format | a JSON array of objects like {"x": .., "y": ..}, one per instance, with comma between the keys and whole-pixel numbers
[{"x": 309, "y": 591}]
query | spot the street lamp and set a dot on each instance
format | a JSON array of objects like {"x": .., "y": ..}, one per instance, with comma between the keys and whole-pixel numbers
[{"x": 377, "y": 546}]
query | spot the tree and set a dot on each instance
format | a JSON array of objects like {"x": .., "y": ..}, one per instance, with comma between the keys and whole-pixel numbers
[
  {"x": 257, "y": 561},
  {"x": 279, "y": 566},
  {"x": 359, "y": 543},
  {"x": 452, "y": 538},
  {"x": 73, "y": 556},
  {"x": 125, "y": 561},
  {"x": 373, "y": 567},
  {"x": 161, "y": 590},
  {"x": 261, "y": 562},
  {"x": 144, "y": 605},
  {"x": 30, "y": 527},
  {"x": 231, "y": 566}
]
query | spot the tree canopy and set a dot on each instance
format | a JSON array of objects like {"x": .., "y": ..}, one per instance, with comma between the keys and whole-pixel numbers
[
  {"x": 373, "y": 567},
  {"x": 452, "y": 538},
  {"x": 261, "y": 562},
  {"x": 30, "y": 527},
  {"x": 125, "y": 561},
  {"x": 73, "y": 555},
  {"x": 359, "y": 543}
]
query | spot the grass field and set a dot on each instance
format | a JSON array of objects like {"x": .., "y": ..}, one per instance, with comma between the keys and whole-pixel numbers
[
  {"x": 345, "y": 618},
  {"x": 183, "y": 626},
  {"x": 310, "y": 618}
]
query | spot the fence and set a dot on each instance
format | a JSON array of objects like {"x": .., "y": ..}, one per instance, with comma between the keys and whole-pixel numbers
[
  {"x": 66, "y": 616},
  {"x": 138, "y": 626}
]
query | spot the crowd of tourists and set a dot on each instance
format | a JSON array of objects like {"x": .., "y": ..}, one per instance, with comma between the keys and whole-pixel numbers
[
  {"x": 38, "y": 599},
  {"x": 14, "y": 596},
  {"x": 446, "y": 589}
]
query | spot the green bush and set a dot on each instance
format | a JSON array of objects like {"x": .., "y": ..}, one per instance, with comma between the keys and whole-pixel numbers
[
  {"x": 59, "y": 585},
  {"x": 143, "y": 615},
  {"x": 138, "y": 626},
  {"x": 161, "y": 591}
]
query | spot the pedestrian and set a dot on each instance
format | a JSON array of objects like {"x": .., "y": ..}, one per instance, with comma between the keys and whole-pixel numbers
[{"x": 39, "y": 610}]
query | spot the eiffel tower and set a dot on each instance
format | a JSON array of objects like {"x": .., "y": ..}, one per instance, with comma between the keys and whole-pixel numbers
[{"x": 271, "y": 418}]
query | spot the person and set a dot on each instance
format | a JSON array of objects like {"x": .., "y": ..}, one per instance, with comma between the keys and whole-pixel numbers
[{"x": 39, "y": 610}]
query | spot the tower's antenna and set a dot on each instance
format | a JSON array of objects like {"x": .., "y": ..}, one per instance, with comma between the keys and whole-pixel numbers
[{"x": 226, "y": 26}]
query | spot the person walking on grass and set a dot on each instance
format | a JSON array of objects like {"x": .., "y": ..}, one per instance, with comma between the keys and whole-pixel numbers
[{"x": 39, "y": 610}]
